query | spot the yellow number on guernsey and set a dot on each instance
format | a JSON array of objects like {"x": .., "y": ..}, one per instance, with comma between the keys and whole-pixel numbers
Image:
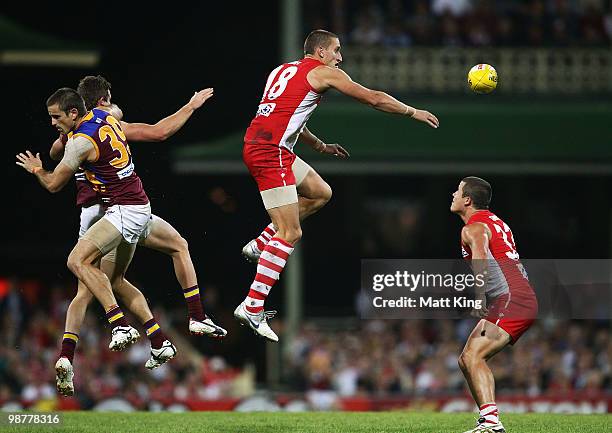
[{"x": 113, "y": 130}]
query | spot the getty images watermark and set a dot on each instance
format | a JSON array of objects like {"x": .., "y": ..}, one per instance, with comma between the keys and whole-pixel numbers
[
  {"x": 450, "y": 289},
  {"x": 427, "y": 283}
]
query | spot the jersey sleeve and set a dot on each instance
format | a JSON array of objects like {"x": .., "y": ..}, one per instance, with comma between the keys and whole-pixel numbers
[{"x": 76, "y": 152}]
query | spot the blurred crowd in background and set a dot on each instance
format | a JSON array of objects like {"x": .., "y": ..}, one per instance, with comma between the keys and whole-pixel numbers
[
  {"x": 419, "y": 358},
  {"x": 365, "y": 358},
  {"x": 476, "y": 23},
  {"x": 32, "y": 324}
]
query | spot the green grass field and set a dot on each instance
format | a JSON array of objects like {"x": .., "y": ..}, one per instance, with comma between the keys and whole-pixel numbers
[{"x": 318, "y": 422}]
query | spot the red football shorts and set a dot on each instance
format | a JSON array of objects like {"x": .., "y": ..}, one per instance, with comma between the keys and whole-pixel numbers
[
  {"x": 514, "y": 312},
  {"x": 270, "y": 165}
]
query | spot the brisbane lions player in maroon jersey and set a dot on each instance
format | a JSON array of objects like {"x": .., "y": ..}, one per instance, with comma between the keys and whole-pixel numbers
[
  {"x": 509, "y": 305},
  {"x": 97, "y": 145},
  {"x": 291, "y": 190}
]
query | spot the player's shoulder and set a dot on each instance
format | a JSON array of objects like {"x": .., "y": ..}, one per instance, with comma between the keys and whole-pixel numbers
[
  {"x": 88, "y": 124},
  {"x": 99, "y": 118},
  {"x": 474, "y": 229},
  {"x": 322, "y": 77}
]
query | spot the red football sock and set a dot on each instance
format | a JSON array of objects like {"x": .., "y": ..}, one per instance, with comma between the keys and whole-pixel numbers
[
  {"x": 265, "y": 236},
  {"x": 271, "y": 263}
]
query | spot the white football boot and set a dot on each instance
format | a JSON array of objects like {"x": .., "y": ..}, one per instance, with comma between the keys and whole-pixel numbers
[
  {"x": 484, "y": 427},
  {"x": 161, "y": 356},
  {"x": 257, "y": 322},
  {"x": 206, "y": 327},
  {"x": 122, "y": 337},
  {"x": 63, "y": 377},
  {"x": 251, "y": 252}
]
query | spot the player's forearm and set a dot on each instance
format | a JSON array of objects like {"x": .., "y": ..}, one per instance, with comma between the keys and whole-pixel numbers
[
  {"x": 387, "y": 103},
  {"x": 47, "y": 180},
  {"x": 312, "y": 140},
  {"x": 171, "y": 124}
]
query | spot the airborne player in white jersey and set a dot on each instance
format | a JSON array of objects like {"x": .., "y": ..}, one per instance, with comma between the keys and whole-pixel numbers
[{"x": 291, "y": 190}]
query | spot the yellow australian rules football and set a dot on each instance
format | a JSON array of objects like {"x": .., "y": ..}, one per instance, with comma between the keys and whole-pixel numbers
[{"x": 482, "y": 78}]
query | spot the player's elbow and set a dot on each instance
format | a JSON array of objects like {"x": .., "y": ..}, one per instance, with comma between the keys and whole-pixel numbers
[
  {"x": 160, "y": 133},
  {"x": 165, "y": 134},
  {"x": 54, "y": 188}
]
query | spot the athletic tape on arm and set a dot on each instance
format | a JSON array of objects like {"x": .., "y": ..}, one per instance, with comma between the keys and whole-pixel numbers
[{"x": 76, "y": 152}]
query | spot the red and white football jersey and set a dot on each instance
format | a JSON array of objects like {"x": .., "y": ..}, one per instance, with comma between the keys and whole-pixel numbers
[
  {"x": 288, "y": 102},
  {"x": 505, "y": 273}
]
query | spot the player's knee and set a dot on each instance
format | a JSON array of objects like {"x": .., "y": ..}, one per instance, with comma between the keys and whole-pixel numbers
[
  {"x": 323, "y": 195},
  {"x": 326, "y": 193},
  {"x": 466, "y": 359},
  {"x": 461, "y": 362},
  {"x": 181, "y": 244},
  {"x": 75, "y": 264},
  {"x": 176, "y": 244}
]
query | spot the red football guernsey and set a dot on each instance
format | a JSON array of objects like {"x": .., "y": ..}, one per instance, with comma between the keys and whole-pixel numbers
[
  {"x": 288, "y": 102},
  {"x": 507, "y": 274}
]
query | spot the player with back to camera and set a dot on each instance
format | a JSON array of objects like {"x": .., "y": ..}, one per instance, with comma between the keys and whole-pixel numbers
[
  {"x": 291, "y": 190},
  {"x": 509, "y": 305},
  {"x": 158, "y": 235},
  {"x": 97, "y": 144}
]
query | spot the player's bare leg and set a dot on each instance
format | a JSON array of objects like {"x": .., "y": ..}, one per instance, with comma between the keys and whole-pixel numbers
[
  {"x": 314, "y": 193},
  {"x": 81, "y": 263},
  {"x": 75, "y": 315},
  {"x": 115, "y": 265},
  {"x": 99, "y": 239},
  {"x": 132, "y": 298},
  {"x": 164, "y": 238},
  {"x": 483, "y": 343},
  {"x": 269, "y": 267}
]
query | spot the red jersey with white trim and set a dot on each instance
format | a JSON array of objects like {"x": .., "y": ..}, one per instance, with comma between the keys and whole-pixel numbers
[
  {"x": 111, "y": 177},
  {"x": 287, "y": 103},
  {"x": 505, "y": 273}
]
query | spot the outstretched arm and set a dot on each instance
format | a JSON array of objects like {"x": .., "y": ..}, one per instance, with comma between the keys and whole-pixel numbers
[
  {"x": 477, "y": 236},
  {"x": 168, "y": 126},
  {"x": 317, "y": 144},
  {"x": 322, "y": 78}
]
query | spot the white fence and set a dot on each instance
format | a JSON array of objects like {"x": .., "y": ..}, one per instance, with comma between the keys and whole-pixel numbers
[{"x": 444, "y": 70}]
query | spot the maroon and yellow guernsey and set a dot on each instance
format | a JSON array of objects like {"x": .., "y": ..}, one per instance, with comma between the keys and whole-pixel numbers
[{"x": 111, "y": 176}]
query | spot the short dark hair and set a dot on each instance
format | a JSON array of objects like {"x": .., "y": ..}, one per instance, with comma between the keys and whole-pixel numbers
[
  {"x": 67, "y": 99},
  {"x": 479, "y": 190},
  {"x": 92, "y": 89},
  {"x": 318, "y": 38}
]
